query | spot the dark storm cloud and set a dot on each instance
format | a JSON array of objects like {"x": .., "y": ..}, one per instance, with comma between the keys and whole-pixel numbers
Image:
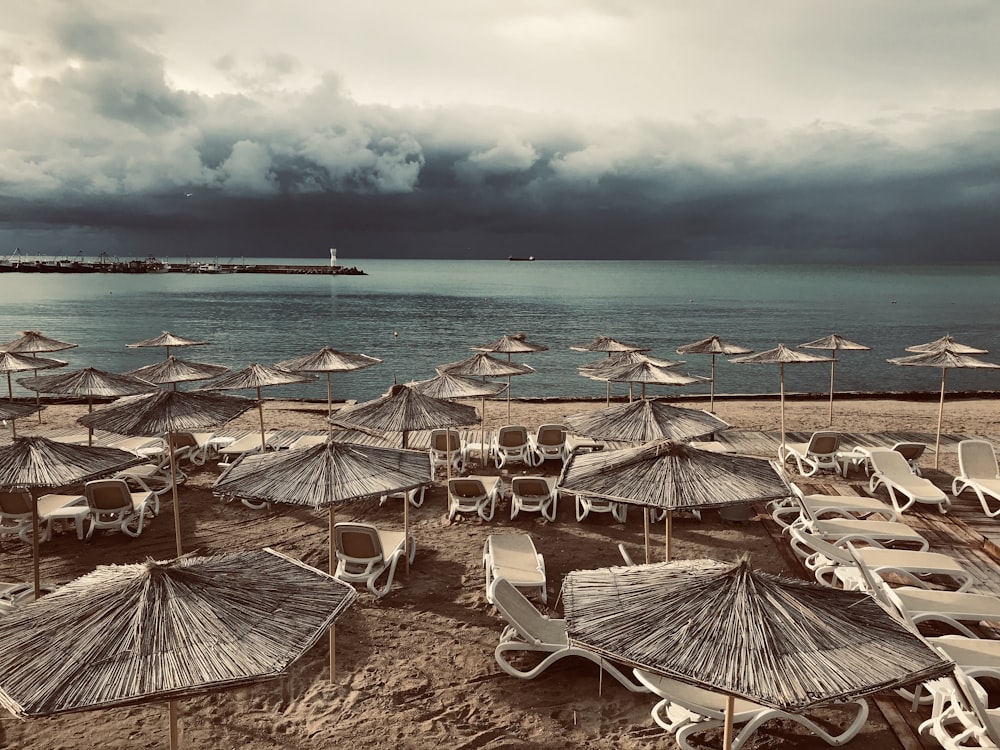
[{"x": 102, "y": 153}]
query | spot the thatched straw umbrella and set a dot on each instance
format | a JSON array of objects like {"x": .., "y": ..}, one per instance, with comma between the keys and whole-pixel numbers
[
  {"x": 32, "y": 463},
  {"x": 255, "y": 377},
  {"x": 644, "y": 421},
  {"x": 154, "y": 631},
  {"x": 168, "y": 412},
  {"x": 172, "y": 371},
  {"x": 10, "y": 362},
  {"x": 329, "y": 360},
  {"x": 944, "y": 343},
  {"x": 88, "y": 383},
  {"x": 166, "y": 340},
  {"x": 713, "y": 345},
  {"x": 672, "y": 476},
  {"x": 606, "y": 369},
  {"x": 834, "y": 343},
  {"x": 650, "y": 373},
  {"x": 781, "y": 355},
  {"x": 482, "y": 365},
  {"x": 33, "y": 343},
  {"x": 612, "y": 347},
  {"x": 945, "y": 359},
  {"x": 508, "y": 344},
  {"x": 11, "y": 410},
  {"x": 775, "y": 641},
  {"x": 327, "y": 475}
]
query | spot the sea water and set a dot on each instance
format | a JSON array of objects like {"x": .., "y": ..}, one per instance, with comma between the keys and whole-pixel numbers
[{"x": 419, "y": 314}]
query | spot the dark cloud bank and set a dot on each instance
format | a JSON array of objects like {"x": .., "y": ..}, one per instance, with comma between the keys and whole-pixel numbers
[{"x": 102, "y": 156}]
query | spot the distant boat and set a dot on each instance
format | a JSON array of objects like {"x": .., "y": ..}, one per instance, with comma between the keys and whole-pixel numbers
[{"x": 530, "y": 257}]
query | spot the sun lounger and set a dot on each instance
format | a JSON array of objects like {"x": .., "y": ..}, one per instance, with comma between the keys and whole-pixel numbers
[
  {"x": 549, "y": 444},
  {"x": 307, "y": 441},
  {"x": 961, "y": 718},
  {"x": 891, "y": 470},
  {"x": 533, "y": 494},
  {"x": 446, "y": 448},
  {"x": 248, "y": 444},
  {"x": 14, "y": 595},
  {"x": 842, "y": 530},
  {"x": 512, "y": 446},
  {"x": 819, "y": 454},
  {"x": 585, "y": 505},
  {"x": 978, "y": 471},
  {"x": 474, "y": 494},
  {"x": 16, "y": 512},
  {"x": 513, "y": 557},
  {"x": 113, "y": 506},
  {"x": 825, "y": 506},
  {"x": 528, "y": 630},
  {"x": 364, "y": 553}
]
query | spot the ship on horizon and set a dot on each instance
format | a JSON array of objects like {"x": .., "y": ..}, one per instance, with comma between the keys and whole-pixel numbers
[{"x": 511, "y": 257}]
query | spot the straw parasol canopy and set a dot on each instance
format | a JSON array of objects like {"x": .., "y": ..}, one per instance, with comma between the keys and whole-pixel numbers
[
  {"x": 404, "y": 409},
  {"x": 834, "y": 342},
  {"x": 327, "y": 475},
  {"x": 776, "y": 641},
  {"x": 88, "y": 383},
  {"x": 12, "y": 411},
  {"x": 32, "y": 463},
  {"x": 645, "y": 421},
  {"x": 11, "y": 362},
  {"x": 164, "y": 630},
  {"x": 168, "y": 412},
  {"x": 329, "y": 360},
  {"x": 255, "y": 377},
  {"x": 713, "y": 345},
  {"x": 781, "y": 355},
  {"x": 946, "y": 343},
  {"x": 604, "y": 369},
  {"x": 609, "y": 345},
  {"x": 672, "y": 476},
  {"x": 173, "y": 370},
  {"x": 511, "y": 344},
  {"x": 945, "y": 359},
  {"x": 445, "y": 385},
  {"x": 33, "y": 342},
  {"x": 166, "y": 340},
  {"x": 648, "y": 372}
]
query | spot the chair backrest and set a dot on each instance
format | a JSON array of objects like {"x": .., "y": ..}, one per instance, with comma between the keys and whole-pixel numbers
[
  {"x": 359, "y": 541},
  {"x": 877, "y": 587},
  {"x": 512, "y": 436},
  {"x": 813, "y": 542},
  {"x": 15, "y": 502},
  {"x": 533, "y": 486},
  {"x": 552, "y": 435},
  {"x": 518, "y": 611},
  {"x": 977, "y": 699},
  {"x": 824, "y": 443},
  {"x": 977, "y": 459},
  {"x": 184, "y": 440},
  {"x": 445, "y": 441},
  {"x": 466, "y": 487},
  {"x": 108, "y": 494},
  {"x": 889, "y": 462},
  {"x": 910, "y": 451}
]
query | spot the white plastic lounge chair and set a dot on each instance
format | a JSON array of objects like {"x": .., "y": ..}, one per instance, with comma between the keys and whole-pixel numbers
[
  {"x": 819, "y": 454},
  {"x": 307, "y": 441},
  {"x": 585, "y": 505},
  {"x": 513, "y": 557},
  {"x": 248, "y": 444},
  {"x": 842, "y": 530},
  {"x": 14, "y": 595},
  {"x": 113, "y": 506},
  {"x": 961, "y": 718},
  {"x": 364, "y": 553},
  {"x": 530, "y": 630},
  {"x": 686, "y": 710},
  {"x": 533, "y": 494},
  {"x": 512, "y": 446},
  {"x": 150, "y": 478},
  {"x": 16, "y": 511},
  {"x": 826, "y": 506},
  {"x": 832, "y": 564},
  {"x": 912, "y": 453},
  {"x": 474, "y": 494},
  {"x": 976, "y": 657},
  {"x": 891, "y": 470},
  {"x": 414, "y": 496},
  {"x": 978, "y": 471},
  {"x": 446, "y": 447},
  {"x": 549, "y": 444}
]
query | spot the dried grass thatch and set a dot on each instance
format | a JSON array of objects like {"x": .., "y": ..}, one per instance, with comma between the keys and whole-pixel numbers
[
  {"x": 167, "y": 411},
  {"x": 647, "y": 372},
  {"x": 780, "y": 355},
  {"x": 616, "y": 362},
  {"x": 14, "y": 410},
  {"x": 11, "y": 362},
  {"x": 173, "y": 370},
  {"x": 835, "y": 342},
  {"x": 608, "y": 344},
  {"x": 166, "y": 339},
  {"x": 482, "y": 365},
  {"x": 713, "y": 345},
  {"x": 516, "y": 343},
  {"x": 326, "y": 475},
  {"x": 405, "y": 409},
  {"x": 39, "y": 462},
  {"x": 88, "y": 383},
  {"x": 776, "y": 641},
  {"x": 329, "y": 359},
  {"x": 946, "y": 342},
  {"x": 645, "y": 421},
  {"x": 448, "y": 386},
  {"x": 33, "y": 342},
  {"x": 672, "y": 476},
  {"x": 127, "y": 634},
  {"x": 255, "y": 376}
]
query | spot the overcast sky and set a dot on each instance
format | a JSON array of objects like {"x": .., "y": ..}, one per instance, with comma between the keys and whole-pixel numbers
[{"x": 773, "y": 129}]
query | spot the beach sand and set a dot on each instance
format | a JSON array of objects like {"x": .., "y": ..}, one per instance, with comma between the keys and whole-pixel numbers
[{"x": 416, "y": 668}]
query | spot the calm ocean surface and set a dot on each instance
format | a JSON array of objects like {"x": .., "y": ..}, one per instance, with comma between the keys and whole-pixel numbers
[{"x": 440, "y": 309}]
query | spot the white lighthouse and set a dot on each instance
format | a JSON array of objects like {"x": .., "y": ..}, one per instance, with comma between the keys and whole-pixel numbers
[{"x": 333, "y": 257}]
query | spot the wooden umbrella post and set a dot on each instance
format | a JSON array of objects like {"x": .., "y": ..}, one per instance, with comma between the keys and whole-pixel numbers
[
  {"x": 711, "y": 401},
  {"x": 333, "y": 569},
  {"x": 406, "y": 531},
  {"x": 833, "y": 364},
  {"x": 645, "y": 527},
  {"x": 668, "y": 524},
  {"x": 173, "y": 492},
  {"x": 34, "y": 545},
  {"x": 782, "y": 408},
  {"x": 937, "y": 440},
  {"x": 172, "y": 712},
  {"x": 727, "y": 735},
  {"x": 329, "y": 394},
  {"x": 260, "y": 412}
]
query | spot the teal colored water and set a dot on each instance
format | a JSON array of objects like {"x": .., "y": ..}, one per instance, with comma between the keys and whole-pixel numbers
[{"x": 416, "y": 314}]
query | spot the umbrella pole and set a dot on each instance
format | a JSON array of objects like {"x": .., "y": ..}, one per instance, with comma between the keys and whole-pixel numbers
[
  {"x": 608, "y": 400},
  {"x": 90, "y": 430},
  {"x": 937, "y": 440},
  {"x": 645, "y": 529},
  {"x": 333, "y": 569},
  {"x": 34, "y": 546},
  {"x": 782, "y": 409},
  {"x": 727, "y": 736},
  {"x": 508, "y": 394},
  {"x": 833, "y": 364},
  {"x": 260, "y": 412},
  {"x": 172, "y": 712},
  {"x": 406, "y": 531},
  {"x": 668, "y": 523},
  {"x": 629, "y": 392},
  {"x": 38, "y": 398},
  {"x": 482, "y": 435},
  {"x": 10, "y": 389},
  {"x": 173, "y": 485},
  {"x": 329, "y": 395},
  {"x": 711, "y": 401}
]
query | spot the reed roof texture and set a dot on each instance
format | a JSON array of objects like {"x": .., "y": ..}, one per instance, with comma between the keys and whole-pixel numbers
[
  {"x": 11, "y": 362},
  {"x": 516, "y": 343},
  {"x": 620, "y": 359},
  {"x": 39, "y": 462},
  {"x": 946, "y": 342},
  {"x": 772, "y": 640},
  {"x": 166, "y": 339},
  {"x": 127, "y": 634},
  {"x": 945, "y": 359},
  {"x": 648, "y": 372},
  {"x": 482, "y": 365},
  {"x": 167, "y": 411},
  {"x": 607, "y": 344},
  {"x": 672, "y": 476},
  {"x": 174, "y": 370},
  {"x": 712, "y": 345},
  {"x": 88, "y": 383},
  {"x": 780, "y": 355},
  {"x": 16, "y": 410},
  {"x": 835, "y": 342},
  {"x": 644, "y": 421},
  {"x": 405, "y": 409},
  {"x": 448, "y": 386},
  {"x": 255, "y": 376},
  {"x": 32, "y": 342},
  {"x": 325, "y": 475},
  {"x": 328, "y": 359}
]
